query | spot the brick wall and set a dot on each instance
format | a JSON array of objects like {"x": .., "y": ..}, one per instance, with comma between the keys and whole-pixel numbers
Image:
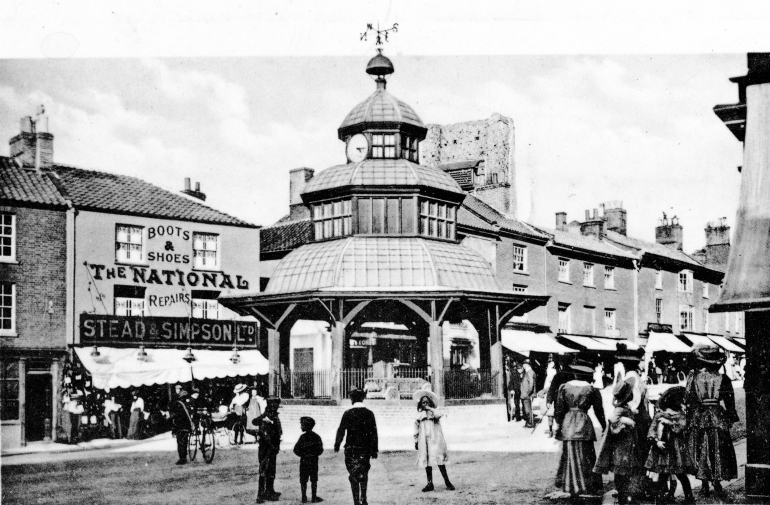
[{"x": 40, "y": 278}]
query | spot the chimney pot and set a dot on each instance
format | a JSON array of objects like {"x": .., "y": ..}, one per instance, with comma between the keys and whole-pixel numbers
[
  {"x": 588, "y": 215},
  {"x": 197, "y": 187}
]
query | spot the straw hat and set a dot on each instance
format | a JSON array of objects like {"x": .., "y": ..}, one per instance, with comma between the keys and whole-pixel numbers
[
  {"x": 709, "y": 356},
  {"x": 624, "y": 391},
  {"x": 419, "y": 395},
  {"x": 239, "y": 388}
]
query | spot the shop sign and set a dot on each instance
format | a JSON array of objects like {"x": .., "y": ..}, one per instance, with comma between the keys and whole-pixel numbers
[
  {"x": 361, "y": 342},
  {"x": 180, "y": 331}
]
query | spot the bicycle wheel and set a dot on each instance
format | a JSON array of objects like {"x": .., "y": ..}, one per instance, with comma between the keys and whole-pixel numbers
[
  {"x": 192, "y": 445},
  {"x": 208, "y": 446}
]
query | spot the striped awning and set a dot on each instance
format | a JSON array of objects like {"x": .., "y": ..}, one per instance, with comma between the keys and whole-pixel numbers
[
  {"x": 665, "y": 342},
  {"x": 590, "y": 343},
  {"x": 524, "y": 342},
  {"x": 725, "y": 344}
]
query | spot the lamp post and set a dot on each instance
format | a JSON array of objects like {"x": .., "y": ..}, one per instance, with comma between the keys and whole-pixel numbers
[{"x": 747, "y": 283}]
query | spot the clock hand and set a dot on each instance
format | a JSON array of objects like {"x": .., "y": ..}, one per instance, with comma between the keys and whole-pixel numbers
[{"x": 360, "y": 149}]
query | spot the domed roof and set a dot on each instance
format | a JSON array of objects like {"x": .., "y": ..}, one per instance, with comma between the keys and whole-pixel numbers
[
  {"x": 380, "y": 65},
  {"x": 382, "y": 264},
  {"x": 382, "y": 172},
  {"x": 382, "y": 107}
]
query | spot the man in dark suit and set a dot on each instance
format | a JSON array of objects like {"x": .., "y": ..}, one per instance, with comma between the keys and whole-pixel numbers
[
  {"x": 361, "y": 444},
  {"x": 269, "y": 435},
  {"x": 514, "y": 388},
  {"x": 527, "y": 393}
]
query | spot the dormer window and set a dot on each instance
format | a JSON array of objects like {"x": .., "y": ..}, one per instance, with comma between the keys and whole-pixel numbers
[
  {"x": 383, "y": 145},
  {"x": 409, "y": 149}
]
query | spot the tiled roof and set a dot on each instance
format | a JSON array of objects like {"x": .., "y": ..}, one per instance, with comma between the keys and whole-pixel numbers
[
  {"x": 459, "y": 165},
  {"x": 382, "y": 172},
  {"x": 27, "y": 186},
  {"x": 382, "y": 107},
  {"x": 488, "y": 213},
  {"x": 101, "y": 191},
  {"x": 284, "y": 236},
  {"x": 589, "y": 244},
  {"x": 467, "y": 218},
  {"x": 651, "y": 248},
  {"x": 376, "y": 263}
]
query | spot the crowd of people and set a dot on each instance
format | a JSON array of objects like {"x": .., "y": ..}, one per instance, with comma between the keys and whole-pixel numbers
[{"x": 689, "y": 433}]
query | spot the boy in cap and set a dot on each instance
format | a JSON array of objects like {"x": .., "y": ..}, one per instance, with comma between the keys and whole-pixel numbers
[
  {"x": 308, "y": 448},
  {"x": 269, "y": 436},
  {"x": 361, "y": 444}
]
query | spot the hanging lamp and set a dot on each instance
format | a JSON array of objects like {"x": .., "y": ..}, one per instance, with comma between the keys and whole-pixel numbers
[
  {"x": 141, "y": 355},
  {"x": 189, "y": 356},
  {"x": 235, "y": 358},
  {"x": 95, "y": 352}
]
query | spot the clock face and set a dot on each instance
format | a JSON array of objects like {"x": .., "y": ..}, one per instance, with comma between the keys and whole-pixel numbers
[{"x": 357, "y": 148}]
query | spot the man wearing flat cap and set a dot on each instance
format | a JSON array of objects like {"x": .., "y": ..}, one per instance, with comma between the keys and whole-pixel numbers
[
  {"x": 359, "y": 425},
  {"x": 269, "y": 436}
]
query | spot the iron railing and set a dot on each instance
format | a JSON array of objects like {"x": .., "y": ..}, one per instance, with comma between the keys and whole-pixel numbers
[
  {"x": 354, "y": 378},
  {"x": 466, "y": 384},
  {"x": 310, "y": 385}
]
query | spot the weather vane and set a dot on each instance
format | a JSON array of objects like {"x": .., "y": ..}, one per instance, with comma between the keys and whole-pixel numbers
[{"x": 382, "y": 35}]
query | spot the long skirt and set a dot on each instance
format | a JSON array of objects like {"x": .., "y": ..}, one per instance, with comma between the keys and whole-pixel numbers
[
  {"x": 135, "y": 425},
  {"x": 713, "y": 454},
  {"x": 575, "y": 475}
]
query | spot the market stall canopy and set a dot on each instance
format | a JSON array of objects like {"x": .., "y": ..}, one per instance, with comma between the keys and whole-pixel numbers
[
  {"x": 613, "y": 342},
  {"x": 524, "y": 342},
  {"x": 589, "y": 343},
  {"x": 725, "y": 344},
  {"x": 741, "y": 342},
  {"x": 697, "y": 340},
  {"x": 120, "y": 367},
  {"x": 665, "y": 342}
]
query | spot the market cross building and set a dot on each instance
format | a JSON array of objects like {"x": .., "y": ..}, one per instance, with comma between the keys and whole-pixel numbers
[
  {"x": 105, "y": 278},
  {"x": 382, "y": 246}
]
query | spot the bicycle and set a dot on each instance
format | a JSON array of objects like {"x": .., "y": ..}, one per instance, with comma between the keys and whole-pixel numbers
[{"x": 202, "y": 437}]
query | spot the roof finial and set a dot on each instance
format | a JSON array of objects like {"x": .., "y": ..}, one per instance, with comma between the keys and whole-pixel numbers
[{"x": 380, "y": 65}]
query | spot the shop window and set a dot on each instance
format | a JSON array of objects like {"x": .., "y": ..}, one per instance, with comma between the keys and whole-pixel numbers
[
  {"x": 564, "y": 319},
  {"x": 206, "y": 254},
  {"x": 563, "y": 270},
  {"x": 437, "y": 219},
  {"x": 129, "y": 241},
  {"x": 7, "y": 309},
  {"x": 685, "y": 281},
  {"x": 7, "y": 237},
  {"x": 9, "y": 390},
  {"x": 332, "y": 219},
  {"x": 609, "y": 278},
  {"x": 205, "y": 304},
  {"x": 383, "y": 145},
  {"x": 685, "y": 318},
  {"x": 409, "y": 149},
  {"x": 129, "y": 300},
  {"x": 519, "y": 258},
  {"x": 588, "y": 274}
]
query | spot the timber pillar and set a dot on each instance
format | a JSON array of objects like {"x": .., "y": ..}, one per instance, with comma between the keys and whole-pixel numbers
[
  {"x": 437, "y": 359},
  {"x": 274, "y": 362},
  {"x": 757, "y": 387},
  {"x": 338, "y": 353}
]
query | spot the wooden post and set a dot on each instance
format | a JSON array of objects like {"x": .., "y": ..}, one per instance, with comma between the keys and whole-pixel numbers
[
  {"x": 55, "y": 398},
  {"x": 338, "y": 350},
  {"x": 437, "y": 359},
  {"x": 757, "y": 388},
  {"x": 23, "y": 400},
  {"x": 274, "y": 361}
]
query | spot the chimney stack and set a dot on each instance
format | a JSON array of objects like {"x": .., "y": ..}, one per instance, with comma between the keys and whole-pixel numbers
[
  {"x": 298, "y": 179},
  {"x": 593, "y": 225},
  {"x": 195, "y": 194},
  {"x": 615, "y": 216},
  {"x": 33, "y": 146},
  {"x": 717, "y": 242},
  {"x": 668, "y": 233},
  {"x": 561, "y": 221}
]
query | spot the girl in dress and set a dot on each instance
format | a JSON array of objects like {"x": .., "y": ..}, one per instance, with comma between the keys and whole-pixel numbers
[
  {"x": 710, "y": 443},
  {"x": 620, "y": 448},
  {"x": 429, "y": 438},
  {"x": 669, "y": 452}
]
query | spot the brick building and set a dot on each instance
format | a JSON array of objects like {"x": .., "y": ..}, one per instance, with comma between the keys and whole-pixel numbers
[{"x": 96, "y": 261}]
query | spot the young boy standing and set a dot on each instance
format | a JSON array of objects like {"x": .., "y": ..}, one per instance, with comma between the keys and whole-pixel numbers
[
  {"x": 361, "y": 444},
  {"x": 308, "y": 448}
]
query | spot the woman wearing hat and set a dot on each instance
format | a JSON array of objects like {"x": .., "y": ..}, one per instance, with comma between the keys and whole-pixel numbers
[
  {"x": 710, "y": 443},
  {"x": 429, "y": 438},
  {"x": 238, "y": 407},
  {"x": 576, "y": 431}
]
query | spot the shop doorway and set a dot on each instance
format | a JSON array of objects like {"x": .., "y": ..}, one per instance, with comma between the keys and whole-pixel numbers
[
  {"x": 38, "y": 405},
  {"x": 303, "y": 372}
]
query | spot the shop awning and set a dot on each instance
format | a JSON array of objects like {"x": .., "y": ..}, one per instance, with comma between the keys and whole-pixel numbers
[
  {"x": 115, "y": 367},
  {"x": 697, "y": 340},
  {"x": 725, "y": 344},
  {"x": 590, "y": 343},
  {"x": 524, "y": 342},
  {"x": 613, "y": 342},
  {"x": 741, "y": 342},
  {"x": 665, "y": 342}
]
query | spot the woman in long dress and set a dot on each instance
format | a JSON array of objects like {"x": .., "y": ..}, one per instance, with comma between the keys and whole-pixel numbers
[
  {"x": 710, "y": 443},
  {"x": 136, "y": 423},
  {"x": 576, "y": 431},
  {"x": 429, "y": 438}
]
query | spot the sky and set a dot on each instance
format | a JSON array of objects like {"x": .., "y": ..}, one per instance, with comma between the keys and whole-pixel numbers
[{"x": 595, "y": 120}]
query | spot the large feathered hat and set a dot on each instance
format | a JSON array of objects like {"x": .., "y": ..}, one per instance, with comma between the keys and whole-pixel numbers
[
  {"x": 624, "y": 391},
  {"x": 709, "y": 355}
]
